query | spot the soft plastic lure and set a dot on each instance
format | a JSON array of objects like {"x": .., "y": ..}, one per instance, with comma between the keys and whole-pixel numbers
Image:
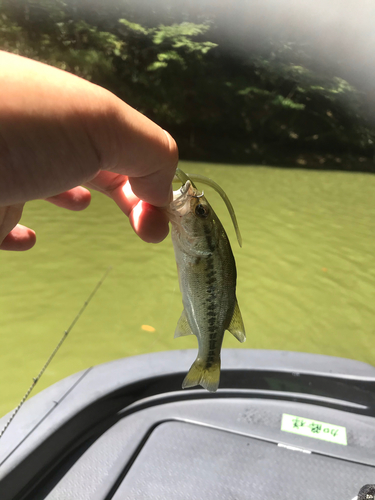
[{"x": 182, "y": 177}]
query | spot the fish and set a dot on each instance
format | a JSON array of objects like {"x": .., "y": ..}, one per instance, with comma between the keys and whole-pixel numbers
[{"x": 207, "y": 278}]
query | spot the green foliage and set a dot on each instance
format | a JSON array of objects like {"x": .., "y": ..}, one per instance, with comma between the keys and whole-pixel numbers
[
  {"x": 180, "y": 36},
  {"x": 13, "y": 38},
  {"x": 251, "y": 106},
  {"x": 285, "y": 102},
  {"x": 134, "y": 27}
]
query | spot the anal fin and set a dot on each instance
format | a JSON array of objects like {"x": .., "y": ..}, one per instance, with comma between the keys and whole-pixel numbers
[
  {"x": 236, "y": 326},
  {"x": 183, "y": 327}
]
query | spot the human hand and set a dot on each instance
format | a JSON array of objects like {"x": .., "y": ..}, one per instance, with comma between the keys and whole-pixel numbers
[{"x": 58, "y": 131}]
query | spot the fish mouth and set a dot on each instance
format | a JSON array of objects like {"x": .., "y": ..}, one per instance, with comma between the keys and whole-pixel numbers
[
  {"x": 181, "y": 199},
  {"x": 181, "y": 204},
  {"x": 186, "y": 190},
  {"x": 182, "y": 192}
]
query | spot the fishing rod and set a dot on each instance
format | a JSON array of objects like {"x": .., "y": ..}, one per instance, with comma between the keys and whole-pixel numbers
[{"x": 53, "y": 353}]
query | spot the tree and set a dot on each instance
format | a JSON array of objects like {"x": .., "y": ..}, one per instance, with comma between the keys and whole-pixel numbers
[{"x": 271, "y": 103}]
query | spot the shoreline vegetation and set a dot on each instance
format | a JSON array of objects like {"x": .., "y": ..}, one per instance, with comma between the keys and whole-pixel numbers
[{"x": 269, "y": 103}]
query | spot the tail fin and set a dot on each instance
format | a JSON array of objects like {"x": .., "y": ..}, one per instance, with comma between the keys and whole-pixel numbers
[{"x": 200, "y": 374}]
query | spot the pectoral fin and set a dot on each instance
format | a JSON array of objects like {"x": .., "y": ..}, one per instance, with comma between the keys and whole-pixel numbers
[
  {"x": 236, "y": 326},
  {"x": 183, "y": 327}
]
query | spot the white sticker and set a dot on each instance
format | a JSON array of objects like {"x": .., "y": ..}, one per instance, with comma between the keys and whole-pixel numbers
[{"x": 314, "y": 429}]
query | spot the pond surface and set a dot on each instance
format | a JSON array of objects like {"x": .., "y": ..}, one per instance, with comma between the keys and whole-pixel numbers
[{"x": 306, "y": 276}]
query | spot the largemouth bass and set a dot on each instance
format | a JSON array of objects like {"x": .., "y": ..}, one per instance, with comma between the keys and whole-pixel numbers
[{"x": 207, "y": 277}]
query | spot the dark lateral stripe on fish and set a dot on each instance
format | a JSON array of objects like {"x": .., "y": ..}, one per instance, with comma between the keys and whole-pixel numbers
[
  {"x": 210, "y": 243},
  {"x": 209, "y": 264},
  {"x": 212, "y": 327},
  {"x": 210, "y": 359}
]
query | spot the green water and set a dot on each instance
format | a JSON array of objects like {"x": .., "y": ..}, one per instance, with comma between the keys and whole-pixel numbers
[{"x": 306, "y": 276}]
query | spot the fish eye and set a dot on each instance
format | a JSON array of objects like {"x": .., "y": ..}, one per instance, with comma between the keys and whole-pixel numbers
[{"x": 201, "y": 210}]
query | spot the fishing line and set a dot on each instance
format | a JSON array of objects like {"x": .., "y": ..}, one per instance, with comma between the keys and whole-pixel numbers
[{"x": 52, "y": 355}]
